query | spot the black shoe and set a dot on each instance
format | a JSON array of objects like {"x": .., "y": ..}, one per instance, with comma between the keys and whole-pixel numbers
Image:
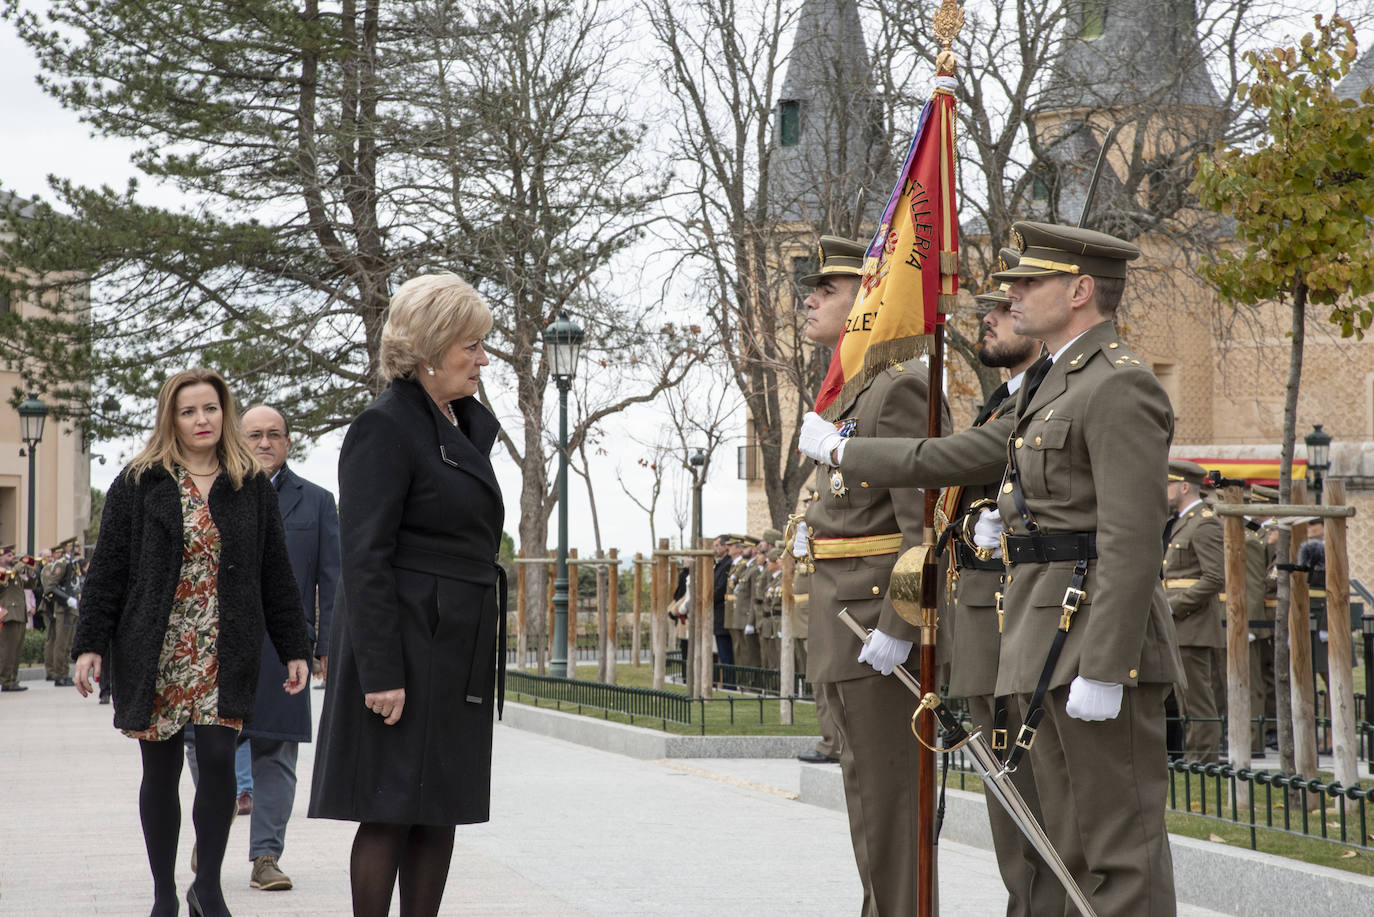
[
  {"x": 815, "y": 757},
  {"x": 193, "y": 903},
  {"x": 15, "y": 688},
  {"x": 63, "y": 683}
]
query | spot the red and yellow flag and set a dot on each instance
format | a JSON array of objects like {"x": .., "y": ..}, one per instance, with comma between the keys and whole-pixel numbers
[{"x": 911, "y": 272}]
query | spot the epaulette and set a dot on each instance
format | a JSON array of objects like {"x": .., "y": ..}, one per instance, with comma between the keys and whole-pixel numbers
[{"x": 1118, "y": 355}]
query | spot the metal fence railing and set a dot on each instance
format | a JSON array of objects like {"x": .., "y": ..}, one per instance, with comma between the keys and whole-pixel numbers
[{"x": 645, "y": 703}]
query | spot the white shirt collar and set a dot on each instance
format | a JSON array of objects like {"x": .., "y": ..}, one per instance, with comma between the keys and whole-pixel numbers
[
  {"x": 1058, "y": 353},
  {"x": 1014, "y": 383},
  {"x": 1183, "y": 512}
]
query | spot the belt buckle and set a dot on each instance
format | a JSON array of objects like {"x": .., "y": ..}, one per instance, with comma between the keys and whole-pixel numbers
[
  {"x": 1073, "y": 597},
  {"x": 1006, "y": 558},
  {"x": 999, "y": 740}
]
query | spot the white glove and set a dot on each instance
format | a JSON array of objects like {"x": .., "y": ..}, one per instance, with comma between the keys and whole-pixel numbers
[
  {"x": 71, "y": 602},
  {"x": 748, "y": 629},
  {"x": 884, "y": 653},
  {"x": 987, "y": 531},
  {"x": 818, "y": 438},
  {"x": 1091, "y": 700},
  {"x": 799, "y": 542}
]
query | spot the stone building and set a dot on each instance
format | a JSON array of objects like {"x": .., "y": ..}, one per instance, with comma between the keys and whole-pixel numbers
[{"x": 62, "y": 467}]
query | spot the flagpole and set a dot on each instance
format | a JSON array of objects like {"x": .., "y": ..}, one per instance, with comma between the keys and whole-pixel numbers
[{"x": 947, "y": 22}]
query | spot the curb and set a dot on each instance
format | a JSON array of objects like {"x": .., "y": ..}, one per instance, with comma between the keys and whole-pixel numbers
[
  {"x": 649, "y": 744},
  {"x": 1227, "y": 879}
]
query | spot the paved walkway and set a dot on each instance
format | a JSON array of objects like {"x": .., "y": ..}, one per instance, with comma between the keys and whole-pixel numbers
[{"x": 574, "y": 831}]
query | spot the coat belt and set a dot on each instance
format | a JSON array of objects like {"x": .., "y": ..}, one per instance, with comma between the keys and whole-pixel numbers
[{"x": 859, "y": 546}]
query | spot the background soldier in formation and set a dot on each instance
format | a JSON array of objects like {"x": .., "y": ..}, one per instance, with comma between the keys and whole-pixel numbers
[
  {"x": 1084, "y": 502},
  {"x": 1194, "y": 580},
  {"x": 734, "y": 618},
  {"x": 15, "y": 577},
  {"x": 61, "y": 587}
]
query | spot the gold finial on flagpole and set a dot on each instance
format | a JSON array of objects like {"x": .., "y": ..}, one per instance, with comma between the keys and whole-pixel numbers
[{"x": 948, "y": 22}]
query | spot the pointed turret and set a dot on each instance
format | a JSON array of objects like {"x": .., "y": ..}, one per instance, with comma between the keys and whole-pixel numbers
[
  {"x": 826, "y": 125},
  {"x": 1360, "y": 77},
  {"x": 1130, "y": 54}
]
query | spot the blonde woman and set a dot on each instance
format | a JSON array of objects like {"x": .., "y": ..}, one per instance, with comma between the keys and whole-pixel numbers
[
  {"x": 189, "y": 571},
  {"x": 405, "y": 734}
]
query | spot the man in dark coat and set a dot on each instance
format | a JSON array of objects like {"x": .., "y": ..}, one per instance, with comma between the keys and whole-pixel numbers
[
  {"x": 282, "y": 721},
  {"x": 720, "y": 587}
]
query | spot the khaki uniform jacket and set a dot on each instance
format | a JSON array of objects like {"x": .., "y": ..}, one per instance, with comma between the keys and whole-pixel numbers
[
  {"x": 737, "y": 614},
  {"x": 893, "y": 404},
  {"x": 760, "y": 581},
  {"x": 1256, "y": 571},
  {"x": 744, "y": 594},
  {"x": 801, "y": 605},
  {"x": 13, "y": 605},
  {"x": 1196, "y": 552},
  {"x": 973, "y": 624},
  {"x": 1091, "y": 448}
]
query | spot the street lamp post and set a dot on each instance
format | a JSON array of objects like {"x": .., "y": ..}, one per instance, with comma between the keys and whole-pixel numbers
[
  {"x": 697, "y": 461},
  {"x": 32, "y": 415},
  {"x": 1318, "y": 458},
  {"x": 562, "y": 341}
]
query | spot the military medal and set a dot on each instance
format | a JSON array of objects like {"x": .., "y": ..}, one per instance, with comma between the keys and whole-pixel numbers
[{"x": 837, "y": 487}]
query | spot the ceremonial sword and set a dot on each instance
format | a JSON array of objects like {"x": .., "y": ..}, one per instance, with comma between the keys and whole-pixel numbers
[{"x": 990, "y": 768}]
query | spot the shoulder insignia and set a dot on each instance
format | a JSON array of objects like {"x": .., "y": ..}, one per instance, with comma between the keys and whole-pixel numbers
[
  {"x": 896, "y": 367},
  {"x": 1207, "y": 514}
]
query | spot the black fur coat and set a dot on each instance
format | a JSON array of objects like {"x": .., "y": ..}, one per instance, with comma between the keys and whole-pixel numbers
[{"x": 134, "y": 574}]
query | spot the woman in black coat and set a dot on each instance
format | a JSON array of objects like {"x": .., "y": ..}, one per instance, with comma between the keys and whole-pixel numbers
[
  {"x": 405, "y": 734},
  {"x": 189, "y": 572}
]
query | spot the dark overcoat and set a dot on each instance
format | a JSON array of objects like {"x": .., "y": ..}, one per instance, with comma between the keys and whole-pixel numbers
[
  {"x": 312, "y": 542},
  {"x": 420, "y": 516},
  {"x": 133, "y": 579}
]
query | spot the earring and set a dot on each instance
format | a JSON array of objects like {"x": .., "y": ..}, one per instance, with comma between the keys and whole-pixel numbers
[{"x": 430, "y": 370}]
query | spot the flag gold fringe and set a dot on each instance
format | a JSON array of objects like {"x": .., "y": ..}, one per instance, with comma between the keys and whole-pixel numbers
[
  {"x": 877, "y": 358},
  {"x": 949, "y": 263}
]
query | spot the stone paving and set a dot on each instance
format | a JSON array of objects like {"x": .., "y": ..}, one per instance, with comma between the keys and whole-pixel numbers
[{"x": 574, "y": 831}]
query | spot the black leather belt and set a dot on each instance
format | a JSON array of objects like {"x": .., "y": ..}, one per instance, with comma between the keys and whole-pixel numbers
[
  {"x": 965, "y": 559},
  {"x": 1042, "y": 549}
]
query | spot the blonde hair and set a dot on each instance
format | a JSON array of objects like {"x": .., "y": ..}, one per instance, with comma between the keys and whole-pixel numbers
[
  {"x": 163, "y": 449},
  {"x": 428, "y": 315}
]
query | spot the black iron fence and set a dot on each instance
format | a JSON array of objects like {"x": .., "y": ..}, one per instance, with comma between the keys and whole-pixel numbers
[
  {"x": 644, "y": 703},
  {"x": 744, "y": 678}
]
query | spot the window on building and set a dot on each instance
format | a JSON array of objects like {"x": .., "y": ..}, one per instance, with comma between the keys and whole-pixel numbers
[
  {"x": 1094, "y": 19},
  {"x": 5, "y": 307},
  {"x": 748, "y": 455},
  {"x": 789, "y": 122}
]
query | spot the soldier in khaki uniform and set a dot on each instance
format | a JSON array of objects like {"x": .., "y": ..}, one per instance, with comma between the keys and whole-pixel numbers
[
  {"x": 770, "y": 629},
  {"x": 1032, "y": 889},
  {"x": 1194, "y": 580},
  {"x": 61, "y": 586},
  {"x": 758, "y": 598},
  {"x": 747, "y": 653},
  {"x": 1260, "y": 604},
  {"x": 1084, "y": 505},
  {"x": 15, "y": 577},
  {"x": 857, "y": 529},
  {"x": 827, "y": 750},
  {"x": 734, "y": 623}
]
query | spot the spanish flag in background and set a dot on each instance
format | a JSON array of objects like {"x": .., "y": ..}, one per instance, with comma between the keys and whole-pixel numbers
[{"x": 911, "y": 272}]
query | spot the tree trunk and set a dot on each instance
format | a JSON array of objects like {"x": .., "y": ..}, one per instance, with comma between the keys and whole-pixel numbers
[{"x": 1282, "y": 622}]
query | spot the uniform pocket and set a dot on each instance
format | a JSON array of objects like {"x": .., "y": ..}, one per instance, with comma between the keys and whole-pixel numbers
[
  {"x": 1041, "y": 459},
  {"x": 868, "y": 578}
]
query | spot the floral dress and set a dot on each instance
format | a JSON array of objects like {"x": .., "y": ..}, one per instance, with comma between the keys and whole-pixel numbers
[{"x": 188, "y": 667}]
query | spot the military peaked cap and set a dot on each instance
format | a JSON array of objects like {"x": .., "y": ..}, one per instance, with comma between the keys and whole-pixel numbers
[
  {"x": 991, "y": 299},
  {"x": 839, "y": 256},
  {"x": 1186, "y": 471},
  {"x": 1049, "y": 249},
  {"x": 772, "y": 536}
]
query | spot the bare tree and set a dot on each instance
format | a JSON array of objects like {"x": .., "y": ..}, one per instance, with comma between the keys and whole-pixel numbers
[{"x": 768, "y": 157}]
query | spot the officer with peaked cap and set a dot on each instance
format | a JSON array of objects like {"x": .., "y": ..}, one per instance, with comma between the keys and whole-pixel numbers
[
  {"x": 856, "y": 532},
  {"x": 758, "y": 640},
  {"x": 15, "y": 577},
  {"x": 974, "y": 616},
  {"x": 1194, "y": 580},
  {"x": 1083, "y": 501}
]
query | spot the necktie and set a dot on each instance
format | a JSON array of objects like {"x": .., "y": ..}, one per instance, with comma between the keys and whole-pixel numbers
[
  {"x": 1038, "y": 374},
  {"x": 995, "y": 400}
]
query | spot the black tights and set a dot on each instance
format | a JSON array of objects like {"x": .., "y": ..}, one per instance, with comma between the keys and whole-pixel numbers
[
  {"x": 421, "y": 853},
  {"x": 159, "y": 808}
]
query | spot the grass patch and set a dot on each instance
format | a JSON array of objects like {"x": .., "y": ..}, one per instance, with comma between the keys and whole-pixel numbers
[{"x": 727, "y": 713}]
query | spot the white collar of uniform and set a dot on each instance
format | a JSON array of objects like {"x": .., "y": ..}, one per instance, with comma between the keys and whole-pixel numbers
[
  {"x": 1183, "y": 512},
  {"x": 1014, "y": 383},
  {"x": 1058, "y": 353}
]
